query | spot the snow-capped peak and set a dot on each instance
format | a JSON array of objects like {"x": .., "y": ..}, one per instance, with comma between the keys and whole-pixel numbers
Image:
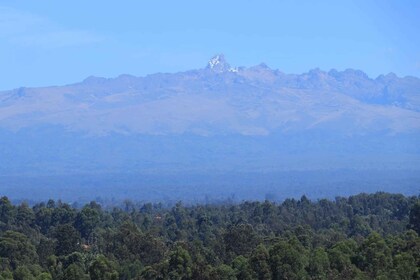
[
  {"x": 216, "y": 60},
  {"x": 218, "y": 64}
]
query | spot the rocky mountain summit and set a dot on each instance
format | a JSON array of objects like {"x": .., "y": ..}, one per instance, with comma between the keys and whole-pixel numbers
[{"x": 219, "y": 64}]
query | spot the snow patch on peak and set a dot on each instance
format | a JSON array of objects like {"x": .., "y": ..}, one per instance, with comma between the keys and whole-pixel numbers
[
  {"x": 216, "y": 60},
  {"x": 219, "y": 64}
]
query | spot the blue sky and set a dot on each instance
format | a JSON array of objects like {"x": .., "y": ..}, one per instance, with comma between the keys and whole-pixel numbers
[{"x": 60, "y": 42}]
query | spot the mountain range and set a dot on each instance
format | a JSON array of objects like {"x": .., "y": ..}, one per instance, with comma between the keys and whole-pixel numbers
[{"x": 215, "y": 119}]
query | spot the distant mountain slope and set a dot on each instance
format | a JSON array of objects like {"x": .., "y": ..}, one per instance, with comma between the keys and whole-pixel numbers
[{"x": 218, "y": 117}]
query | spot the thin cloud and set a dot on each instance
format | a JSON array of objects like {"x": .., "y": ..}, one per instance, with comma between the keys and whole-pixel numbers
[{"x": 30, "y": 30}]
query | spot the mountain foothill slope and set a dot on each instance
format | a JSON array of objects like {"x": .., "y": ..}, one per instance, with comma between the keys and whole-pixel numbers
[{"x": 216, "y": 117}]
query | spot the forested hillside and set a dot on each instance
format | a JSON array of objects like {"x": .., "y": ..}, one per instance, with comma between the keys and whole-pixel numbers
[{"x": 373, "y": 236}]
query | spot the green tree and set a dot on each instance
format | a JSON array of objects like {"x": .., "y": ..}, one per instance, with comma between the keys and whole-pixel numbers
[
  {"x": 242, "y": 268},
  {"x": 7, "y": 212},
  {"x": 150, "y": 249},
  {"x": 414, "y": 222},
  {"x": 130, "y": 270},
  {"x": 55, "y": 267},
  {"x": 74, "y": 272},
  {"x": 319, "y": 264},
  {"x": 374, "y": 256},
  {"x": 180, "y": 264},
  {"x": 88, "y": 219},
  {"x": 76, "y": 258},
  {"x": 223, "y": 272},
  {"x": 16, "y": 247},
  {"x": 149, "y": 273},
  {"x": 43, "y": 218},
  {"x": 23, "y": 273},
  {"x": 405, "y": 266},
  {"x": 259, "y": 262},
  {"x": 25, "y": 215},
  {"x": 6, "y": 275},
  {"x": 103, "y": 269},
  {"x": 45, "y": 248},
  {"x": 63, "y": 214},
  {"x": 240, "y": 239},
  {"x": 341, "y": 253},
  {"x": 287, "y": 261},
  {"x": 44, "y": 276},
  {"x": 201, "y": 269},
  {"x": 68, "y": 239}
]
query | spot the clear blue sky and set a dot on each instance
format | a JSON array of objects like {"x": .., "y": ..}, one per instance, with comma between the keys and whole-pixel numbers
[{"x": 54, "y": 42}]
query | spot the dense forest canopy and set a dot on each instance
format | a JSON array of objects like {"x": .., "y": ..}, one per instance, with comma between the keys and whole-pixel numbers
[{"x": 367, "y": 236}]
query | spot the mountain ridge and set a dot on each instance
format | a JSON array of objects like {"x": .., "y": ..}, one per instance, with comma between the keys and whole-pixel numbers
[
  {"x": 257, "y": 84},
  {"x": 250, "y": 118},
  {"x": 226, "y": 67}
]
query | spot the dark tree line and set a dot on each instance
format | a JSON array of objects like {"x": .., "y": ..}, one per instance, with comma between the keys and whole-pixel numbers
[{"x": 361, "y": 237}]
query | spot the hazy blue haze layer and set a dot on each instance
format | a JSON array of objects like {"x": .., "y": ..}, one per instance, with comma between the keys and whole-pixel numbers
[{"x": 220, "y": 121}]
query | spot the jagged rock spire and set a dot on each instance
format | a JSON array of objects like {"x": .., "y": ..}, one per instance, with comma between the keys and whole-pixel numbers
[{"x": 219, "y": 64}]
